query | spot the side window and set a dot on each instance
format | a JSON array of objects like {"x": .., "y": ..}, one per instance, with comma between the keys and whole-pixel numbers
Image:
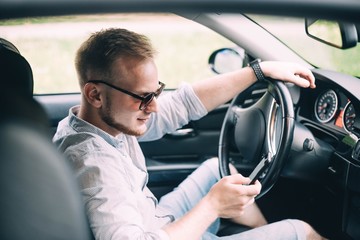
[{"x": 50, "y": 45}]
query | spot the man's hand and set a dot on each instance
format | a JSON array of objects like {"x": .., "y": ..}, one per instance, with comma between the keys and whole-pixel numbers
[
  {"x": 231, "y": 195},
  {"x": 289, "y": 72}
]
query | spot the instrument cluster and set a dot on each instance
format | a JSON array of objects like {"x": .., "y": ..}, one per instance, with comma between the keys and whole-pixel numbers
[{"x": 333, "y": 107}]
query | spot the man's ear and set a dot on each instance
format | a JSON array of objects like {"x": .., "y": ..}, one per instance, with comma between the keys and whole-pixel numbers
[{"x": 92, "y": 95}]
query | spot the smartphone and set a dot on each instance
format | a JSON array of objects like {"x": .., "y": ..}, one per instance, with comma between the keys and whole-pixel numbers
[{"x": 260, "y": 168}]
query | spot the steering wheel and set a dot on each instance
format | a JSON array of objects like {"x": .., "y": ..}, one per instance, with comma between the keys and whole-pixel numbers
[{"x": 254, "y": 131}]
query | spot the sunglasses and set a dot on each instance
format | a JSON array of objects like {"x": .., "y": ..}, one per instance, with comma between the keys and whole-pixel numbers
[{"x": 145, "y": 101}]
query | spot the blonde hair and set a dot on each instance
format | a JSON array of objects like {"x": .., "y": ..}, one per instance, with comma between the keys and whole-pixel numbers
[{"x": 95, "y": 57}]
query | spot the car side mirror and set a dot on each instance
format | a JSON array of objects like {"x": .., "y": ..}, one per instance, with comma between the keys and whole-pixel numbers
[
  {"x": 227, "y": 59},
  {"x": 337, "y": 34}
]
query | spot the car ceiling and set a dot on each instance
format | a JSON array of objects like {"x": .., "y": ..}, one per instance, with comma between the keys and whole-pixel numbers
[{"x": 330, "y": 9}]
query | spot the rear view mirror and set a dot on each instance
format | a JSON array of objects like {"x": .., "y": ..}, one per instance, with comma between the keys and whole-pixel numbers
[
  {"x": 337, "y": 34},
  {"x": 227, "y": 59}
]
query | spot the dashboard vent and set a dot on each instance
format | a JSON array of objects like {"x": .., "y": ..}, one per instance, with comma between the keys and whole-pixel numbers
[{"x": 253, "y": 94}]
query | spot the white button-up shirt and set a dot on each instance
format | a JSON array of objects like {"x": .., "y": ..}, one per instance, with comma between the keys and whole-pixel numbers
[{"x": 112, "y": 173}]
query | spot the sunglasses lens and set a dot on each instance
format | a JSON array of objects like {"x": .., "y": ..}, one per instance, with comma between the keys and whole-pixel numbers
[{"x": 146, "y": 101}]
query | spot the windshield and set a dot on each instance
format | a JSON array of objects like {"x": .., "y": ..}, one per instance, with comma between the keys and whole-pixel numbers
[{"x": 291, "y": 31}]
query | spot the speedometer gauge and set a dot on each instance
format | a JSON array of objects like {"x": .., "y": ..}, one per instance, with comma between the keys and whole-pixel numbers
[
  {"x": 326, "y": 106},
  {"x": 349, "y": 117}
]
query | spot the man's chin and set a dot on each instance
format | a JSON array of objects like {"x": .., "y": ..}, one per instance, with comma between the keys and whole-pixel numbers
[{"x": 135, "y": 132}]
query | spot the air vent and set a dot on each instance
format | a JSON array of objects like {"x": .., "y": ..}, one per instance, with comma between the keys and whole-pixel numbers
[{"x": 254, "y": 93}]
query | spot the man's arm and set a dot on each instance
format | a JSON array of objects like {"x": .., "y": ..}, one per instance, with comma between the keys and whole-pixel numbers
[{"x": 222, "y": 88}]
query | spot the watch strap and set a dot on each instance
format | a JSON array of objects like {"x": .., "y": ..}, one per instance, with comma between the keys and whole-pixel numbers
[{"x": 257, "y": 70}]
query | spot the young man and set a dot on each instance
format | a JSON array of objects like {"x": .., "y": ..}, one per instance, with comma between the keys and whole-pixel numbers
[{"x": 119, "y": 106}]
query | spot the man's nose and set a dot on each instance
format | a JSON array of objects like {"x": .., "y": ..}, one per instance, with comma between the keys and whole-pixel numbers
[{"x": 152, "y": 107}]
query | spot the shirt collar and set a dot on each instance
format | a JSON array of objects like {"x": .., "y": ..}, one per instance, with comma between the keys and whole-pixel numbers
[{"x": 80, "y": 125}]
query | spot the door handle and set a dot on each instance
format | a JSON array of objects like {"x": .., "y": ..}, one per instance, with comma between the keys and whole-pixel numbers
[{"x": 183, "y": 132}]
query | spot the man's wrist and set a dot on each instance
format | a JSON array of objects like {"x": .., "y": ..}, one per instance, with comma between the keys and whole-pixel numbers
[
  {"x": 255, "y": 65},
  {"x": 209, "y": 208}
]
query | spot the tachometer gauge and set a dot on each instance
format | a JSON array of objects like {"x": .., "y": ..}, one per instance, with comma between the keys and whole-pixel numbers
[
  {"x": 349, "y": 117},
  {"x": 326, "y": 106}
]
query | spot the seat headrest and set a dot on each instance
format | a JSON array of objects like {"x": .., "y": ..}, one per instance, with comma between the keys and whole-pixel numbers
[
  {"x": 17, "y": 84},
  {"x": 15, "y": 71}
]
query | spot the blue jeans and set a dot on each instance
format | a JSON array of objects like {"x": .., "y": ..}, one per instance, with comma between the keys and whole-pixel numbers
[{"x": 198, "y": 184}]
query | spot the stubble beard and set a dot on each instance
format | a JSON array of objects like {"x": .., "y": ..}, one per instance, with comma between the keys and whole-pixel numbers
[{"x": 106, "y": 116}]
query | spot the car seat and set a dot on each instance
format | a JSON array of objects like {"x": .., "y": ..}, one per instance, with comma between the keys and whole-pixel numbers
[{"x": 40, "y": 198}]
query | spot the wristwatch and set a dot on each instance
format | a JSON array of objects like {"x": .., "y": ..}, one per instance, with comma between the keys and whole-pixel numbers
[{"x": 257, "y": 70}]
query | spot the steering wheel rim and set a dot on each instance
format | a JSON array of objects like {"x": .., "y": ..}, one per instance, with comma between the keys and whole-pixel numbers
[{"x": 264, "y": 113}]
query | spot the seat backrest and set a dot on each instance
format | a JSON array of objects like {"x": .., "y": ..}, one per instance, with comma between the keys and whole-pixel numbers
[{"x": 40, "y": 198}]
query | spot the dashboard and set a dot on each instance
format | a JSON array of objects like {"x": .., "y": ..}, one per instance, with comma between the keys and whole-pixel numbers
[
  {"x": 333, "y": 106},
  {"x": 331, "y": 113},
  {"x": 329, "y": 106}
]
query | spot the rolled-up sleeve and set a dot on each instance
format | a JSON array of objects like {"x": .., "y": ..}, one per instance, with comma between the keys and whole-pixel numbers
[{"x": 175, "y": 110}]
